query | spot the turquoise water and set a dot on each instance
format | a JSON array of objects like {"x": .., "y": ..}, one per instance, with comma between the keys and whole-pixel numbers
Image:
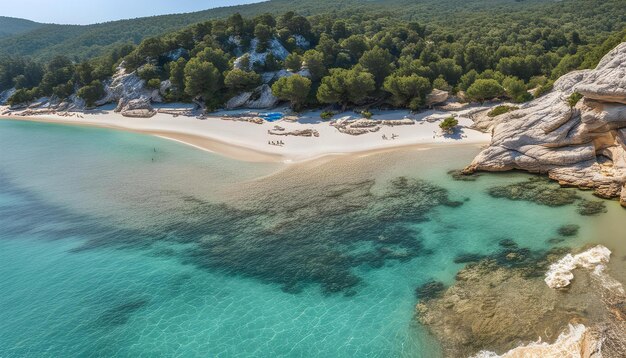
[{"x": 121, "y": 244}]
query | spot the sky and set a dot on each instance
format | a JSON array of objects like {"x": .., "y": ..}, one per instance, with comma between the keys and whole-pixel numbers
[{"x": 83, "y": 12}]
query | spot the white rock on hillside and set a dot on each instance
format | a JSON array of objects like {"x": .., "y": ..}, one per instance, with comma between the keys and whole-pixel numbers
[
  {"x": 583, "y": 146},
  {"x": 260, "y": 98},
  {"x": 128, "y": 87},
  {"x": 274, "y": 47},
  {"x": 5, "y": 95}
]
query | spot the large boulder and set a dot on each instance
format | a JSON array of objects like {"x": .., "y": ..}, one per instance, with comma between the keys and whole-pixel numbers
[
  {"x": 135, "y": 108},
  {"x": 260, "y": 98},
  {"x": 436, "y": 96},
  {"x": 580, "y": 146}
]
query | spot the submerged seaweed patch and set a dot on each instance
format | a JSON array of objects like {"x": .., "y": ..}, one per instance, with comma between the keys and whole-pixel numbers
[
  {"x": 568, "y": 230},
  {"x": 316, "y": 236},
  {"x": 543, "y": 191},
  {"x": 591, "y": 207},
  {"x": 537, "y": 190},
  {"x": 429, "y": 290}
]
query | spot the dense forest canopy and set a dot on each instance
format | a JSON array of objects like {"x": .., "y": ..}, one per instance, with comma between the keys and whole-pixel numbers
[
  {"x": 11, "y": 26},
  {"x": 471, "y": 18},
  {"x": 347, "y": 53}
]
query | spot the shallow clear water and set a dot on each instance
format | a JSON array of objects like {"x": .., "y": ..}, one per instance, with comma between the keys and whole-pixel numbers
[{"x": 121, "y": 244}]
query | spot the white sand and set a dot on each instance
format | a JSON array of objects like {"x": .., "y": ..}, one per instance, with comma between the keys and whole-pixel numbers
[{"x": 249, "y": 141}]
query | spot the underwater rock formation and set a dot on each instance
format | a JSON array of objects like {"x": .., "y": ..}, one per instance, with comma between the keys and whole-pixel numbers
[
  {"x": 494, "y": 310},
  {"x": 582, "y": 145},
  {"x": 560, "y": 273},
  {"x": 542, "y": 191}
]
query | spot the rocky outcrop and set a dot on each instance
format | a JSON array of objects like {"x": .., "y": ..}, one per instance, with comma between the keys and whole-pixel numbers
[
  {"x": 127, "y": 87},
  {"x": 5, "y": 95},
  {"x": 500, "y": 307},
  {"x": 135, "y": 108},
  {"x": 583, "y": 145},
  {"x": 296, "y": 133},
  {"x": 436, "y": 96},
  {"x": 260, "y": 98},
  {"x": 274, "y": 47},
  {"x": 364, "y": 125}
]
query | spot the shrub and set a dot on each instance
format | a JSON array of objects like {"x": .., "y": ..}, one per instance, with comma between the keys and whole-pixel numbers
[
  {"x": 367, "y": 114},
  {"x": 154, "y": 83},
  {"x": 449, "y": 124},
  {"x": 543, "y": 89},
  {"x": 295, "y": 89},
  {"x": 92, "y": 92},
  {"x": 21, "y": 96},
  {"x": 242, "y": 81},
  {"x": 574, "y": 98},
  {"x": 501, "y": 110},
  {"x": 326, "y": 115},
  {"x": 485, "y": 89}
]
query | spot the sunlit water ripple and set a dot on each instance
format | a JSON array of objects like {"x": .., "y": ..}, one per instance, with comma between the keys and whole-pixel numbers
[{"x": 121, "y": 244}]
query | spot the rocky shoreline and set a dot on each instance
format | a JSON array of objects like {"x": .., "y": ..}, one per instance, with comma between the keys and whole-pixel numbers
[
  {"x": 579, "y": 143},
  {"x": 502, "y": 305}
]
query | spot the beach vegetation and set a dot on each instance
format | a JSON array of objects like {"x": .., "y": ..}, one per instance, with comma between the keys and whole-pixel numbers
[
  {"x": 21, "y": 96},
  {"x": 573, "y": 99},
  {"x": 408, "y": 91},
  {"x": 367, "y": 114},
  {"x": 326, "y": 115},
  {"x": 498, "y": 110},
  {"x": 339, "y": 46},
  {"x": 241, "y": 81},
  {"x": 294, "y": 89},
  {"x": 485, "y": 89},
  {"x": 448, "y": 124},
  {"x": 202, "y": 79},
  {"x": 346, "y": 87},
  {"x": 92, "y": 92},
  {"x": 516, "y": 90}
]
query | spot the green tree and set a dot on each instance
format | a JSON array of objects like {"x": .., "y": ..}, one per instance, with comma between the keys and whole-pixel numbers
[
  {"x": 151, "y": 48},
  {"x": 448, "y": 125},
  {"x": 293, "y": 62},
  {"x": 378, "y": 62},
  {"x": 294, "y": 88},
  {"x": 356, "y": 45},
  {"x": 202, "y": 79},
  {"x": 91, "y": 92},
  {"x": 314, "y": 62},
  {"x": 407, "y": 91},
  {"x": 483, "y": 89},
  {"x": 516, "y": 89},
  {"x": 177, "y": 77},
  {"x": 346, "y": 86},
  {"x": 58, "y": 72},
  {"x": 263, "y": 33},
  {"x": 241, "y": 81},
  {"x": 21, "y": 96},
  {"x": 216, "y": 56}
]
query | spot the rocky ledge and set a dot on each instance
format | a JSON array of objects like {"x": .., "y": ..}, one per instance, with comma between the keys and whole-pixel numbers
[{"x": 581, "y": 145}]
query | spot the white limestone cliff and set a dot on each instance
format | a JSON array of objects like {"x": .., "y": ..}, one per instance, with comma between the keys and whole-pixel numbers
[{"x": 583, "y": 146}]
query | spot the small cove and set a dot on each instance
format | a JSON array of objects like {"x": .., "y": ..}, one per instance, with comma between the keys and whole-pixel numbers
[{"x": 122, "y": 244}]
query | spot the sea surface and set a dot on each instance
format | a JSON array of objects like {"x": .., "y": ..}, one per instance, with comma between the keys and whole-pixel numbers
[{"x": 120, "y": 244}]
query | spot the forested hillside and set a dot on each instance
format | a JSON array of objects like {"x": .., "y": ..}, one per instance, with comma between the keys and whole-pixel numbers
[
  {"x": 353, "y": 53},
  {"x": 466, "y": 18},
  {"x": 10, "y": 26}
]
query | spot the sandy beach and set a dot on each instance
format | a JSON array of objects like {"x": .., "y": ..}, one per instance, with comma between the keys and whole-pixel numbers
[{"x": 252, "y": 142}]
